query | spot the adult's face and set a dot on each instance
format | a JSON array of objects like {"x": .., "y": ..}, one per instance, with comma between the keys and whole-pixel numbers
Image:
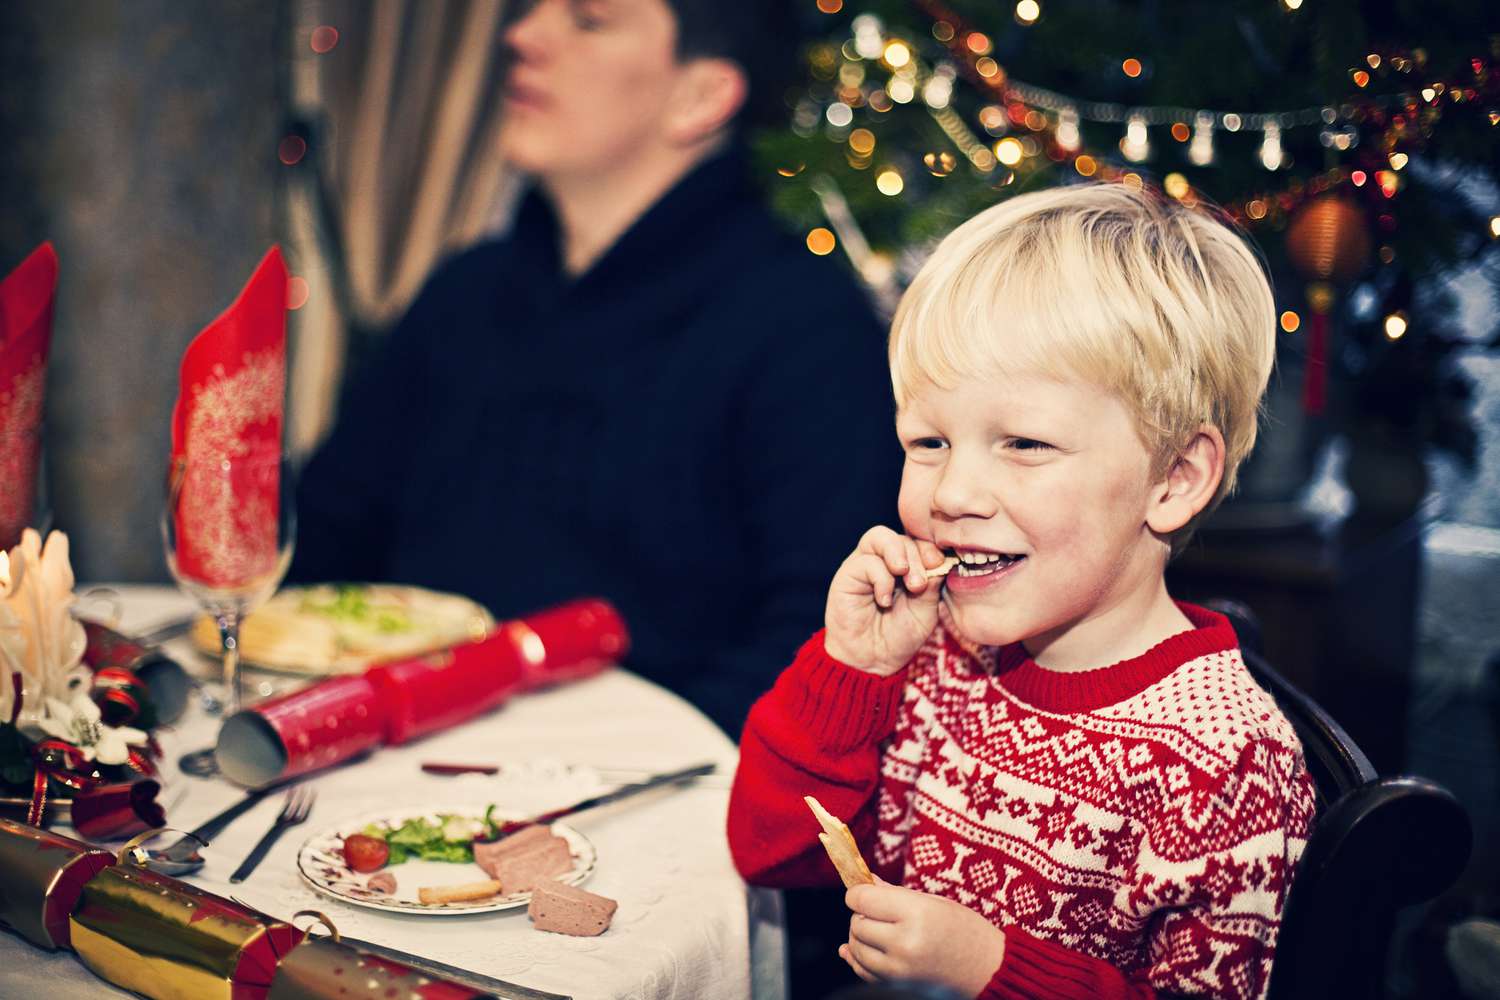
[{"x": 593, "y": 83}]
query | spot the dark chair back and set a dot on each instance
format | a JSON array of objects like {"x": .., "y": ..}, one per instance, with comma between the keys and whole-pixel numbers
[{"x": 1377, "y": 844}]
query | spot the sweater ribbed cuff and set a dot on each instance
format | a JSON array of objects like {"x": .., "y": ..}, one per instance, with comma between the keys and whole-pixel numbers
[
  {"x": 839, "y": 706},
  {"x": 1034, "y": 969}
]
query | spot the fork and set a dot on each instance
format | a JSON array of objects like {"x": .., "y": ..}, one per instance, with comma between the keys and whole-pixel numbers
[{"x": 299, "y": 802}]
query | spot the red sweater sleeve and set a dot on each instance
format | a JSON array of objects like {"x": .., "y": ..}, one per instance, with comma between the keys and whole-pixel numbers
[
  {"x": 1034, "y": 969},
  {"x": 816, "y": 732}
]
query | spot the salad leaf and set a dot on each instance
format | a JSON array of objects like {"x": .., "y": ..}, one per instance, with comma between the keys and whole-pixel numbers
[{"x": 450, "y": 837}]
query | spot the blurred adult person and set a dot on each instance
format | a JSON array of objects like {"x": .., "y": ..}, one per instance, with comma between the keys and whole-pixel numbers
[{"x": 632, "y": 394}]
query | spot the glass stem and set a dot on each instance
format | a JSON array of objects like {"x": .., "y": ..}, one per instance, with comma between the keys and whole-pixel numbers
[{"x": 229, "y": 646}]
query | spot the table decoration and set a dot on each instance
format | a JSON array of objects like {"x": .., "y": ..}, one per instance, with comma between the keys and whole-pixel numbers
[
  {"x": 429, "y": 693},
  {"x": 135, "y": 676},
  {"x": 26, "y": 297},
  {"x": 228, "y": 526},
  {"x": 163, "y": 938},
  {"x": 342, "y": 717},
  {"x": 42, "y": 875},
  {"x": 335, "y": 967},
  {"x": 55, "y": 738}
]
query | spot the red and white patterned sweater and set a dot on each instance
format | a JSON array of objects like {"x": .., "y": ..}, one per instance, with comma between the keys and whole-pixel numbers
[{"x": 1131, "y": 829}]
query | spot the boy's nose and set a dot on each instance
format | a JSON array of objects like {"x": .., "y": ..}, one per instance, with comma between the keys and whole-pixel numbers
[{"x": 962, "y": 491}]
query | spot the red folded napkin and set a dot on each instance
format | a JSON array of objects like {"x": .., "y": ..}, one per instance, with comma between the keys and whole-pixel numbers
[
  {"x": 26, "y": 297},
  {"x": 229, "y": 407}
]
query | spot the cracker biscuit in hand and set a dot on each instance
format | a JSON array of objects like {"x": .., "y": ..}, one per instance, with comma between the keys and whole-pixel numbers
[{"x": 840, "y": 845}]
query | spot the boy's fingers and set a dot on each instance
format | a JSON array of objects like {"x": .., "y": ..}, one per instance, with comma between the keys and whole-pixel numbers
[
  {"x": 889, "y": 546},
  {"x": 870, "y": 570},
  {"x": 859, "y": 970},
  {"x": 929, "y": 554},
  {"x": 875, "y": 934},
  {"x": 916, "y": 580},
  {"x": 879, "y": 901}
]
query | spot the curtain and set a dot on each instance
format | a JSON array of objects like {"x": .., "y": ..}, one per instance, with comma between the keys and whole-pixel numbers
[{"x": 400, "y": 112}]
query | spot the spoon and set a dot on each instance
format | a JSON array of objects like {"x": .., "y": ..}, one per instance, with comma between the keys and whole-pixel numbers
[{"x": 182, "y": 857}]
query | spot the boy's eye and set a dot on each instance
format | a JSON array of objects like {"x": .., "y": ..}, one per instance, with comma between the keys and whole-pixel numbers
[
  {"x": 928, "y": 444},
  {"x": 1029, "y": 444}
]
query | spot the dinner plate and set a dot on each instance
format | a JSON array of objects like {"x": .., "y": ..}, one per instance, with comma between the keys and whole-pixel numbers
[
  {"x": 321, "y": 864},
  {"x": 344, "y": 628}
]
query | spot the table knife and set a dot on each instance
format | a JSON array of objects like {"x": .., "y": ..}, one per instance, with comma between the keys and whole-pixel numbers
[{"x": 624, "y": 791}]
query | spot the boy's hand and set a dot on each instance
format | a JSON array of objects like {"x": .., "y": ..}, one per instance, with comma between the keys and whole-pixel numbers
[
  {"x": 899, "y": 933},
  {"x": 872, "y": 622}
]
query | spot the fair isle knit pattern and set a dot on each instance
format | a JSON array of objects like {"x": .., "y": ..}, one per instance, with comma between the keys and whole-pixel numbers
[{"x": 1157, "y": 832}]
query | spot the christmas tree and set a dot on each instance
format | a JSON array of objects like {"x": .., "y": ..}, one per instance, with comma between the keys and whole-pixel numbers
[{"x": 1356, "y": 144}]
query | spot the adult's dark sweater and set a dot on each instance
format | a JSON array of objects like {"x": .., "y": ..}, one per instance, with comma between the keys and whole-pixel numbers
[{"x": 698, "y": 428}]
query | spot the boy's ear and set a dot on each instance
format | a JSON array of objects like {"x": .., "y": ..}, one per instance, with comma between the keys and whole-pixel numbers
[
  {"x": 710, "y": 92},
  {"x": 1189, "y": 483}
]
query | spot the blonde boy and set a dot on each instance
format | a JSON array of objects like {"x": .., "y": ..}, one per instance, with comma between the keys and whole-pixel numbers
[{"x": 1067, "y": 782}]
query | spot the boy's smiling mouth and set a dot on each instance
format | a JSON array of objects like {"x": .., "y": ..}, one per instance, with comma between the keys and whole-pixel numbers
[{"x": 980, "y": 563}]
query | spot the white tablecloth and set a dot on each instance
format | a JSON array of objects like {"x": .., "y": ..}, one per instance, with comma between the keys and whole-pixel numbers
[{"x": 687, "y": 926}]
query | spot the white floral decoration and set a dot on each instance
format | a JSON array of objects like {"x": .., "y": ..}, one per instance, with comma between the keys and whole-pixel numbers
[
  {"x": 78, "y": 722},
  {"x": 40, "y": 641}
]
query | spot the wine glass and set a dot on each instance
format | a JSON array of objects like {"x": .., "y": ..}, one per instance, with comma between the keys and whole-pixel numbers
[{"x": 228, "y": 528}]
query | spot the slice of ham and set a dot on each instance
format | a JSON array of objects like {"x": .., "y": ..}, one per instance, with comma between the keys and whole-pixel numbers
[
  {"x": 522, "y": 870},
  {"x": 566, "y": 909},
  {"x": 488, "y": 855},
  {"x": 382, "y": 882}
]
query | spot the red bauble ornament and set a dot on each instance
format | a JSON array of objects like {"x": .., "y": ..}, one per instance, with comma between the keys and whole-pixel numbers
[
  {"x": 1329, "y": 240},
  {"x": 1329, "y": 243}
]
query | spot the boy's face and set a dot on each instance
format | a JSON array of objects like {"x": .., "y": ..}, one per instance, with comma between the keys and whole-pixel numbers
[
  {"x": 1053, "y": 479},
  {"x": 591, "y": 80}
]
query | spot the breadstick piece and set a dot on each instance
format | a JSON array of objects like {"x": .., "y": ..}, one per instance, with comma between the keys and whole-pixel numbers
[
  {"x": 465, "y": 893},
  {"x": 840, "y": 845},
  {"x": 942, "y": 569}
]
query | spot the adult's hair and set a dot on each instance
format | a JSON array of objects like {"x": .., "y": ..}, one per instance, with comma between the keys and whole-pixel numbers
[{"x": 759, "y": 35}]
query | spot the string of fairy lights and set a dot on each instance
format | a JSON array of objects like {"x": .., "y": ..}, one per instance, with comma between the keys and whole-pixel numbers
[{"x": 1024, "y": 125}]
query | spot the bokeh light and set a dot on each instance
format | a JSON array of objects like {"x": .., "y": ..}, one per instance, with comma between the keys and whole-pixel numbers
[
  {"x": 324, "y": 38},
  {"x": 1086, "y": 166},
  {"x": 291, "y": 149},
  {"x": 296, "y": 292},
  {"x": 940, "y": 164},
  {"x": 821, "y": 242},
  {"x": 1027, "y": 11},
  {"x": 1290, "y": 321},
  {"x": 888, "y": 182},
  {"x": 1175, "y": 185},
  {"x": 1131, "y": 68},
  {"x": 830, "y": 6},
  {"x": 1395, "y": 326},
  {"x": 862, "y": 141}
]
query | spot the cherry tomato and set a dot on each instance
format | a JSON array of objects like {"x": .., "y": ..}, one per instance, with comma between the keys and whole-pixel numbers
[{"x": 365, "y": 853}]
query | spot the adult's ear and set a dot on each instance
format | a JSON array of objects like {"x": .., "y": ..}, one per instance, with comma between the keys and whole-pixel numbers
[
  {"x": 710, "y": 91},
  {"x": 1189, "y": 484}
]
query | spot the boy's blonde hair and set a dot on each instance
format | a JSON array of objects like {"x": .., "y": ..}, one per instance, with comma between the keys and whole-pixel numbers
[{"x": 1164, "y": 306}]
